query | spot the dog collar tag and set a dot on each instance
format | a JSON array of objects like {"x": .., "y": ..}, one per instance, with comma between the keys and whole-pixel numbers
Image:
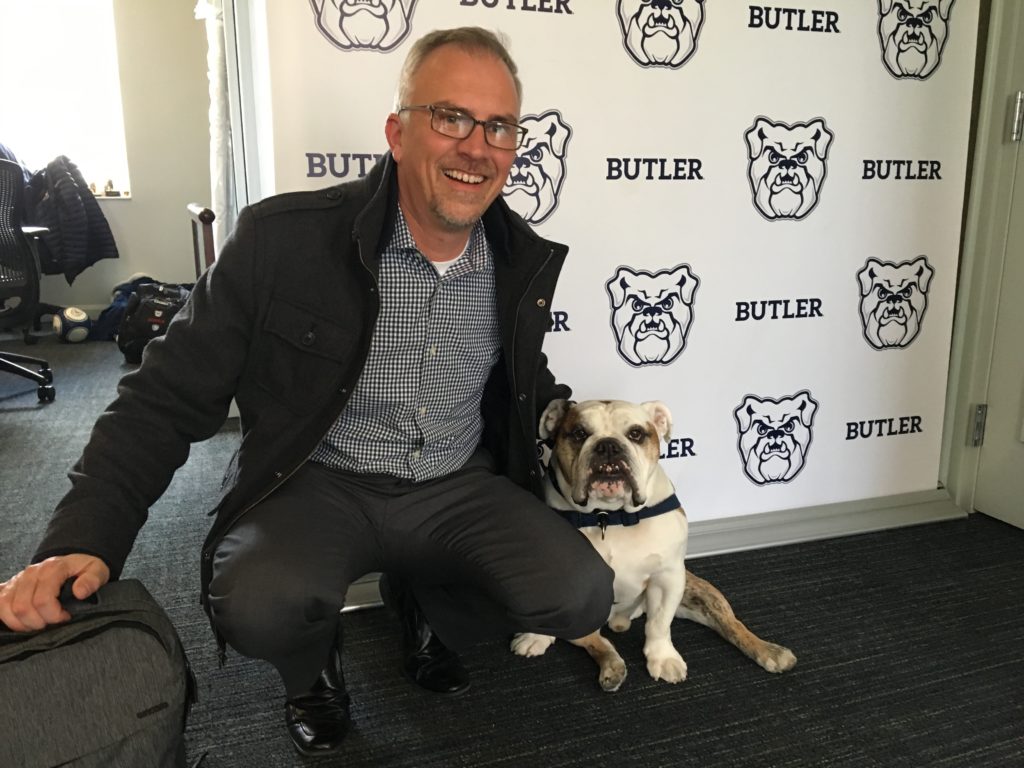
[{"x": 602, "y": 520}]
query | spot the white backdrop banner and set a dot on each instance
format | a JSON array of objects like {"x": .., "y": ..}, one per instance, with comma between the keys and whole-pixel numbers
[{"x": 762, "y": 205}]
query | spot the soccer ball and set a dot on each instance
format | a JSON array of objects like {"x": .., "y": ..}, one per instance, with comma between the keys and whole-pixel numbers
[{"x": 72, "y": 325}]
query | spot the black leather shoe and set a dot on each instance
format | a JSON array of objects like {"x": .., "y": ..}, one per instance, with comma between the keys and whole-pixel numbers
[
  {"x": 425, "y": 659},
  {"x": 318, "y": 719}
]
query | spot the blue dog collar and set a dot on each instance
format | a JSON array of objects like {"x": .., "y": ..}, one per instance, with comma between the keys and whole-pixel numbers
[{"x": 606, "y": 517}]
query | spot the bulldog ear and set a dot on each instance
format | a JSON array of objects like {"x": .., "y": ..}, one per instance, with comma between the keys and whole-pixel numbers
[
  {"x": 944, "y": 6},
  {"x": 756, "y": 137},
  {"x": 867, "y": 276},
  {"x": 617, "y": 286},
  {"x": 687, "y": 283},
  {"x": 806, "y": 406},
  {"x": 923, "y": 272},
  {"x": 884, "y": 6},
  {"x": 556, "y": 131},
  {"x": 745, "y": 413},
  {"x": 661, "y": 417},
  {"x": 822, "y": 137},
  {"x": 552, "y": 417}
]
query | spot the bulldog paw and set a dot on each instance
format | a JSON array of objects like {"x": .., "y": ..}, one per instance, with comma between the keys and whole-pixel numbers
[
  {"x": 613, "y": 673},
  {"x": 529, "y": 644},
  {"x": 619, "y": 622},
  {"x": 668, "y": 666},
  {"x": 775, "y": 658}
]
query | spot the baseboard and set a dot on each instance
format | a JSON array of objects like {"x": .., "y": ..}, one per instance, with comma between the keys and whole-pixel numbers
[
  {"x": 772, "y": 529},
  {"x": 789, "y": 526}
]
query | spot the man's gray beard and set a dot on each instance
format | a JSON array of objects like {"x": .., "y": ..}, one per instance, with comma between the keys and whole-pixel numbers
[{"x": 451, "y": 223}]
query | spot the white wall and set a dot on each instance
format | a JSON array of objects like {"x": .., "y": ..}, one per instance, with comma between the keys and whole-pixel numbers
[
  {"x": 162, "y": 58},
  {"x": 867, "y": 407}
]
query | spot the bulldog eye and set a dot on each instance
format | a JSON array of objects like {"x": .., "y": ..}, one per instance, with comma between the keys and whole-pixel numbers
[
  {"x": 790, "y": 426},
  {"x": 927, "y": 16},
  {"x": 802, "y": 157},
  {"x": 666, "y": 304},
  {"x": 579, "y": 434},
  {"x": 774, "y": 157},
  {"x": 882, "y": 293},
  {"x": 536, "y": 154},
  {"x": 905, "y": 293},
  {"x": 901, "y": 14},
  {"x": 638, "y": 306},
  {"x": 637, "y": 434},
  {"x": 761, "y": 428}
]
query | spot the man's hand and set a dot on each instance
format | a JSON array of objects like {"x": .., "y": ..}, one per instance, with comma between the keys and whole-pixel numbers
[{"x": 28, "y": 600}]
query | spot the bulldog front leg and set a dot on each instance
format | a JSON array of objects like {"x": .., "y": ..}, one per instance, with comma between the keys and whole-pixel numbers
[
  {"x": 611, "y": 667},
  {"x": 664, "y": 592}
]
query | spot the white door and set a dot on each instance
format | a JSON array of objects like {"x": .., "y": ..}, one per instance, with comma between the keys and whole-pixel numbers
[{"x": 1000, "y": 487}]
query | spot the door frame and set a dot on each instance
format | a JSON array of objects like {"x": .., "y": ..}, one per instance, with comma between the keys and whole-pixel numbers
[{"x": 984, "y": 249}]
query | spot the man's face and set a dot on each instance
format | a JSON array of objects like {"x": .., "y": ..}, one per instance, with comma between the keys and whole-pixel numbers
[{"x": 445, "y": 184}]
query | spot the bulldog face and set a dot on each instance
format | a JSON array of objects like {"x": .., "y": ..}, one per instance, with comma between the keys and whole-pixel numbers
[
  {"x": 787, "y": 166},
  {"x": 660, "y": 33},
  {"x": 774, "y": 436},
  {"x": 652, "y": 314},
  {"x": 913, "y": 34},
  {"x": 539, "y": 170},
  {"x": 363, "y": 24},
  {"x": 605, "y": 451},
  {"x": 893, "y": 298}
]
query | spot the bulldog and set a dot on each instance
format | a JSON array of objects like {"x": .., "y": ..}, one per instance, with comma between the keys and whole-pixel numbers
[
  {"x": 774, "y": 436},
  {"x": 660, "y": 33},
  {"x": 651, "y": 313},
  {"x": 912, "y": 34},
  {"x": 363, "y": 24},
  {"x": 787, "y": 166},
  {"x": 893, "y": 298},
  {"x": 539, "y": 169},
  {"x": 605, "y": 478}
]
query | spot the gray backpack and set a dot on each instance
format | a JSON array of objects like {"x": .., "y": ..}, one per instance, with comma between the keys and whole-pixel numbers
[{"x": 110, "y": 688}]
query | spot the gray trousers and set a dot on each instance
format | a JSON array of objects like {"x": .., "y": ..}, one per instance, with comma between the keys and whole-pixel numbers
[{"x": 484, "y": 557}]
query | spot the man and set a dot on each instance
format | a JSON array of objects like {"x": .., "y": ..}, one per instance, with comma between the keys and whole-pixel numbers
[{"x": 383, "y": 342}]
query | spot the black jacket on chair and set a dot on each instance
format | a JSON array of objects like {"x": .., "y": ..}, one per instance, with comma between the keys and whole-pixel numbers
[{"x": 79, "y": 236}]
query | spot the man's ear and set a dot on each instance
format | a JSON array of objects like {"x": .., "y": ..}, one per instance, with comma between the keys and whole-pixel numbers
[{"x": 393, "y": 131}]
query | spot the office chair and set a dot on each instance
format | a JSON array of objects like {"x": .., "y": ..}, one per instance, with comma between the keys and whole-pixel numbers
[
  {"x": 202, "y": 236},
  {"x": 19, "y": 280}
]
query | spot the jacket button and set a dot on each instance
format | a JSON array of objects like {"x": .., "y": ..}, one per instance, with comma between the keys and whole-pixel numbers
[
  {"x": 308, "y": 338},
  {"x": 522, "y": 396},
  {"x": 541, "y": 303}
]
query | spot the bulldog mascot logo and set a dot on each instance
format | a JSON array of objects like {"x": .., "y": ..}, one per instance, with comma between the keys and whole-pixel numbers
[
  {"x": 913, "y": 34},
  {"x": 787, "y": 166},
  {"x": 652, "y": 313},
  {"x": 774, "y": 436},
  {"x": 361, "y": 25},
  {"x": 893, "y": 298},
  {"x": 660, "y": 33},
  {"x": 538, "y": 172}
]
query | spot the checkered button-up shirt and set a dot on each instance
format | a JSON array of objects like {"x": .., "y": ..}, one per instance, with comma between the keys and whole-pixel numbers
[{"x": 415, "y": 411}]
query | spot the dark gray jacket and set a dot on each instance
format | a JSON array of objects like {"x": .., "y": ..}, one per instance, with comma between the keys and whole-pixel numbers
[{"x": 282, "y": 323}]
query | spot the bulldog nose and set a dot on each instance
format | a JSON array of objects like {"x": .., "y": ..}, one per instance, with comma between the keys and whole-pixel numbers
[
  {"x": 651, "y": 311},
  {"x": 519, "y": 163},
  {"x": 787, "y": 163},
  {"x": 608, "y": 448},
  {"x": 661, "y": 5},
  {"x": 914, "y": 21}
]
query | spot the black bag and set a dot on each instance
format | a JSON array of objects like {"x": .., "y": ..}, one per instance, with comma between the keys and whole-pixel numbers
[
  {"x": 150, "y": 308},
  {"x": 112, "y": 687}
]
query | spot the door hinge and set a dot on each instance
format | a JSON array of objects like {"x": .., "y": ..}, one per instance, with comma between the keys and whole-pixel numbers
[
  {"x": 1018, "y": 117},
  {"x": 978, "y": 430}
]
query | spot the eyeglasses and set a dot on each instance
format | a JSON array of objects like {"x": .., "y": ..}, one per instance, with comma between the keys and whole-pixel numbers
[{"x": 458, "y": 125}]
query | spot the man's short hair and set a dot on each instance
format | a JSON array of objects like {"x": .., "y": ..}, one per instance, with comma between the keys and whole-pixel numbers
[{"x": 471, "y": 39}]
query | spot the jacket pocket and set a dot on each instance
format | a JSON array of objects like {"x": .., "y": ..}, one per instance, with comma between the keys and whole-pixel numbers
[{"x": 302, "y": 356}]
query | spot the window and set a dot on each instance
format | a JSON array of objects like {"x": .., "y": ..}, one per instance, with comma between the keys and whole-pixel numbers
[{"x": 62, "y": 92}]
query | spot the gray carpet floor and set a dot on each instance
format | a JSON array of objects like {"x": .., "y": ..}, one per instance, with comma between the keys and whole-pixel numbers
[{"x": 910, "y": 642}]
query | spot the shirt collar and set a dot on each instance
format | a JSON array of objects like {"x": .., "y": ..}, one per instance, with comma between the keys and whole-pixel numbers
[{"x": 474, "y": 258}]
